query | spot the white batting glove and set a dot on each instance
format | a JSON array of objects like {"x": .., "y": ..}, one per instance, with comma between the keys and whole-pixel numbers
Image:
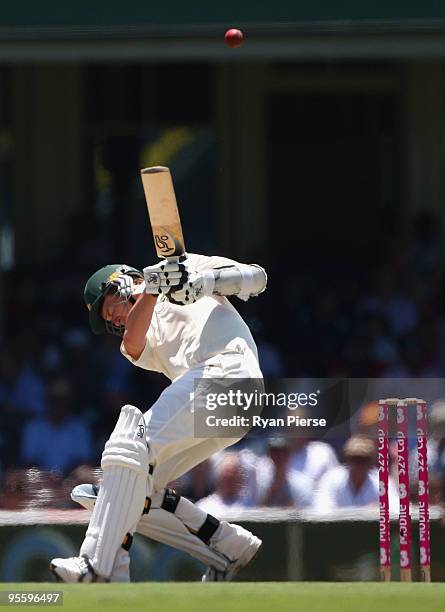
[
  {"x": 164, "y": 277},
  {"x": 198, "y": 285},
  {"x": 123, "y": 285}
]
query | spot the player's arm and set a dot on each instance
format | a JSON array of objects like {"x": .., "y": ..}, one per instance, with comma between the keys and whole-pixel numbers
[
  {"x": 221, "y": 276},
  {"x": 137, "y": 324},
  {"x": 242, "y": 280}
]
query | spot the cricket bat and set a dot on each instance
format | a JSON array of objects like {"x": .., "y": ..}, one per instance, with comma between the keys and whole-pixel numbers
[{"x": 163, "y": 211}]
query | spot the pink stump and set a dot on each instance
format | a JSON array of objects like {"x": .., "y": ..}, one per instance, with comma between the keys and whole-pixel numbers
[
  {"x": 384, "y": 526},
  {"x": 404, "y": 510},
  {"x": 424, "y": 518}
]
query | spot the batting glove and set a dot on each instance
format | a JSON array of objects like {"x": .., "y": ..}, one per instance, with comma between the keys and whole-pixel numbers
[
  {"x": 123, "y": 286},
  {"x": 164, "y": 277}
]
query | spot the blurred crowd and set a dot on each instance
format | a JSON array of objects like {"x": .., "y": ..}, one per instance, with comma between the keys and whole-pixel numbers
[
  {"x": 383, "y": 317},
  {"x": 281, "y": 472},
  {"x": 61, "y": 389}
]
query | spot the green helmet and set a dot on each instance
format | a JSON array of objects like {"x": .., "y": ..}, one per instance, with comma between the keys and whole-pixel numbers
[{"x": 96, "y": 288}]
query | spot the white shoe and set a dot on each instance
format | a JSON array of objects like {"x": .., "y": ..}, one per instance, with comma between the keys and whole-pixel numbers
[
  {"x": 73, "y": 569},
  {"x": 214, "y": 575},
  {"x": 248, "y": 554}
]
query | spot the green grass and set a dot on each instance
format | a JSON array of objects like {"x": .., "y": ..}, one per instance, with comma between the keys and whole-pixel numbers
[{"x": 244, "y": 596}]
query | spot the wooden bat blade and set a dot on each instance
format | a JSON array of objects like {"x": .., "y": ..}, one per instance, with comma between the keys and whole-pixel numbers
[{"x": 163, "y": 211}]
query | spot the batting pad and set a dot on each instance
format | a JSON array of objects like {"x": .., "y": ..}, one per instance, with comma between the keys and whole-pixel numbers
[{"x": 125, "y": 486}]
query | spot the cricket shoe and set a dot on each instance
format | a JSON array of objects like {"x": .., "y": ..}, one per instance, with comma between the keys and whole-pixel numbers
[
  {"x": 74, "y": 569},
  {"x": 246, "y": 557}
]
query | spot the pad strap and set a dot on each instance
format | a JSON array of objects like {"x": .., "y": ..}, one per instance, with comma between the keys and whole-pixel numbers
[
  {"x": 147, "y": 506},
  {"x": 170, "y": 501},
  {"x": 128, "y": 541},
  {"x": 207, "y": 530}
]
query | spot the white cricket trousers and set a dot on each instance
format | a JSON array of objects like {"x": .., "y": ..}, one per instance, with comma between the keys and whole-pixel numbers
[{"x": 170, "y": 421}]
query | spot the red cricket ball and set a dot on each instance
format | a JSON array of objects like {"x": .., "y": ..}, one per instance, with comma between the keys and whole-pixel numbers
[{"x": 234, "y": 38}]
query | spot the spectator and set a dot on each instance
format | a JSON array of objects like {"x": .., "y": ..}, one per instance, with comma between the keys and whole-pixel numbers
[
  {"x": 21, "y": 396},
  {"x": 80, "y": 361},
  {"x": 230, "y": 486},
  {"x": 420, "y": 356},
  {"x": 21, "y": 387},
  {"x": 43, "y": 489},
  {"x": 436, "y": 443},
  {"x": 30, "y": 489},
  {"x": 256, "y": 470},
  {"x": 287, "y": 487},
  {"x": 58, "y": 441},
  {"x": 269, "y": 355},
  {"x": 13, "y": 492},
  {"x": 425, "y": 253},
  {"x": 436, "y": 454},
  {"x": 367, "y": 419},
  {"x": 389, "y": 303},
  {"x": 311, "y": 458},
  {"x": 197, "y": 483},
  {"x": 383, "y": 347},
  {"x": 354, "y": 484}
]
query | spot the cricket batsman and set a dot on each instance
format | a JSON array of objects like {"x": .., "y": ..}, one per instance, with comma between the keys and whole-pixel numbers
[{"x": 174, "y": 318}]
